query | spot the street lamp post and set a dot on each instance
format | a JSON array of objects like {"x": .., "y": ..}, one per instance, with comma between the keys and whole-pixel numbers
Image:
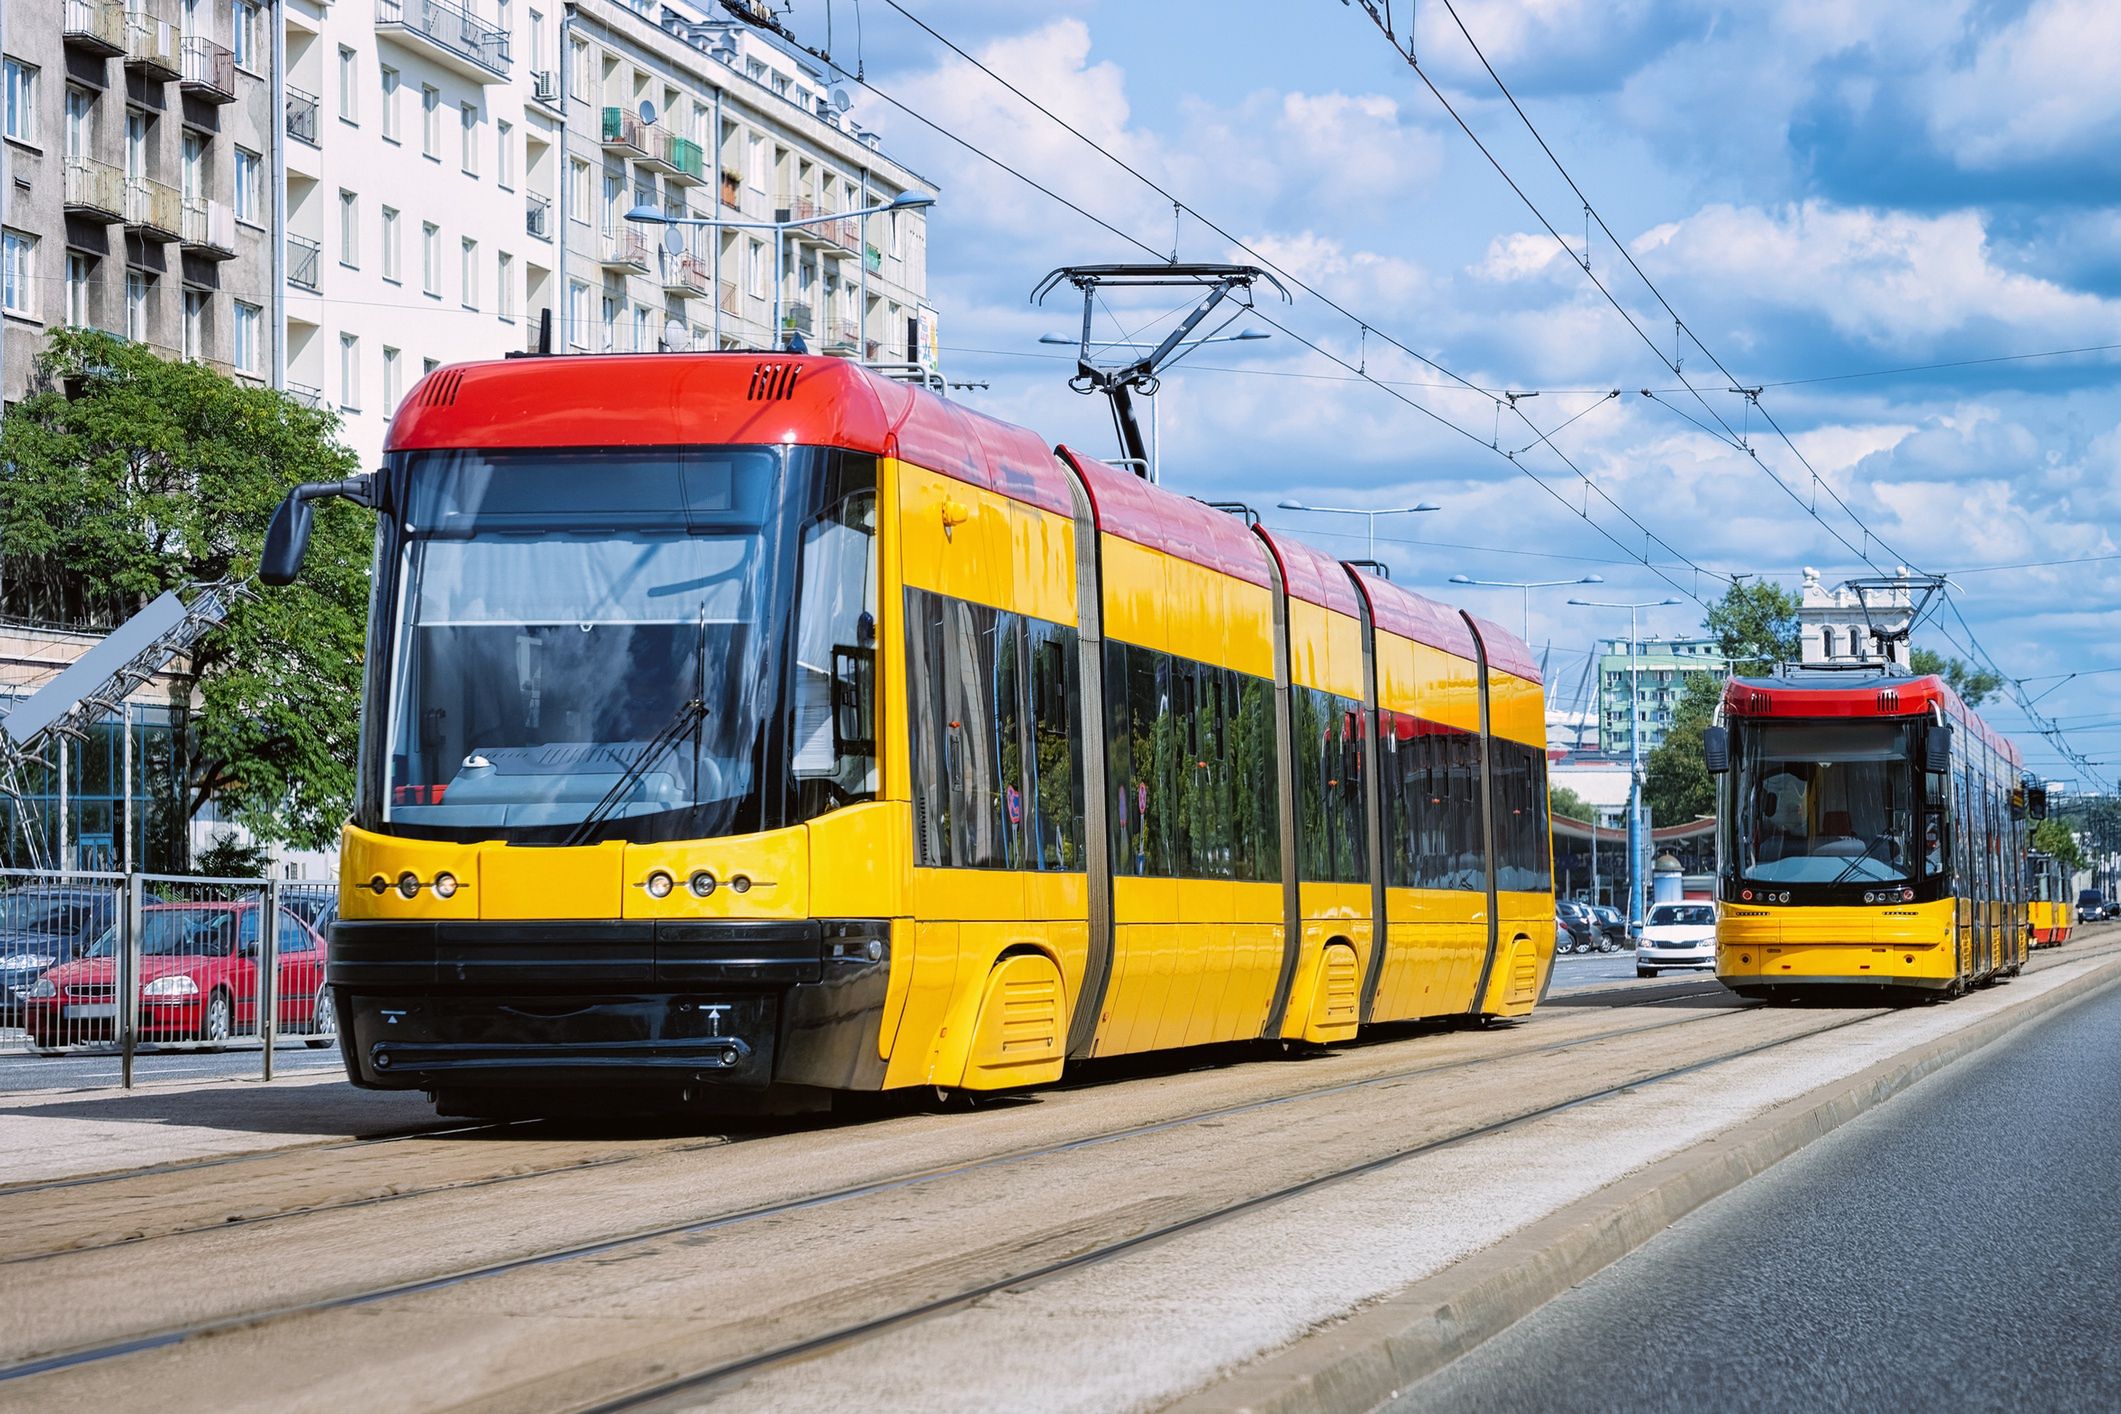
[
  {"x": 1369, "y": 516},
  {"x": 1525, "y": 588},
  {"x": 647, "y": 214},
  {"x": 1635, "y": 831}
]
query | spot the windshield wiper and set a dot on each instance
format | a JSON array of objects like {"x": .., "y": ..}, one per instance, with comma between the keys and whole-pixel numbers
[{"x": 680, "y": 722}]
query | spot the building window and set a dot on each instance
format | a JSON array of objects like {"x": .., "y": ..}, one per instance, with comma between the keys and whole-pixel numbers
[
  {"x": 504, "y": 155},
  {"x": 468, "y": 274},
  {"x": 755, "y": 268},
  {"x": 391, "y": 377},
  {"x": 250, "y": 319},
  {"x": 468, "y": 115},
  {"x": 577, "y": 313},
  {"x": 349, "y": 83},
  {"x": 641, "y": 340},
  {"x": 250, "y": 188},
  {"x": 20, "y": 101},
  {"x": 755, "y": 162},
  {"x": 195, "y": 317},
  {"x": 390, "y": 103},
  {"x": 80, "y": 123},
  {"x": 18, "y": 282},
  {"x": 578, "y": 68},
  {"x": 504, "y": 270},
  {"x": 431, "y": 258},
  {"x": 578, "y": 190},
  {"x": 391, "y": 267},
  {"x": 139, "y": 291},
  {"x": 195, "y": 158},
  {"x": 612, "y": 305},
  {"x": 614, "y": 194},
  {"x": 79, "y": 270},
  {"x": 243, "y": 33},
  {"x": 349, "y": 230},
  {"x": 431, "y": 121},
  {"x": 349, "y": 373}
]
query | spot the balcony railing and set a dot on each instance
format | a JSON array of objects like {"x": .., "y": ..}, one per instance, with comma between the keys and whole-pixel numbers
[
  {"x": 209, "y": 69},
  {"x": 449, "y": 33},
  {"x": 209, "y": 228},
  {"x": 304, "y": 394},
  {"x": 846, "y": 332},
  {"x": 95, "y": 188},
  {"x": 303, "y": 257},
  {"x": 681, "y": 159},
  {"x": 154, "y": 209},
  {"x": 151, "y": 46},
  {"x": 684, "y": 275},
  {"x": 625, "y": 250},
  {"x": 302, "y": 111},
  {"x": 625, "y": 133},
  {"x": 94, "y": 26},
  {"x": 797, "y": 317},
  {"x": 839, "y": 231},
  {"x": 728, "y": 297},
  {"x": 537, "y": 216}
]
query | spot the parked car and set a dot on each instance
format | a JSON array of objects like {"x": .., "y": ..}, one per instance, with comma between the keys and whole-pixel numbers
[
  {"x": 1613, "y": 924},
  {"x": 317, "y": 904},
  {"x": 41, "y": 928},
  {"x": 2093, "y": 906},
  {"x": 1581, "y": 923},
  {"x": 198, "y": 980},
  {"x": 1676, "y": 935}
]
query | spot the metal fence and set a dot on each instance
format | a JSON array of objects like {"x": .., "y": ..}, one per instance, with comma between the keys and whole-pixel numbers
[{"x": 138, "y": 966}]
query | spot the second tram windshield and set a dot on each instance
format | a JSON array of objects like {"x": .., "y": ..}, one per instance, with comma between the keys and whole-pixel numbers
[{"x": 1825, "y": 803}]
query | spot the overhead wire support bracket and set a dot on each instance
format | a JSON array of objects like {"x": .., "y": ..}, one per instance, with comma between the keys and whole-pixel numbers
[{"x": 1120, "y": 382}]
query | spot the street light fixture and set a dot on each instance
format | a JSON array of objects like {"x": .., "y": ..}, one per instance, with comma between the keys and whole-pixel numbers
[
  {"x": 1369, "y": 515},
  {"x": 1156, "y": 433},
  {"x": 1635, "y": 833},
  {"x": 1525, "y": 588},
  {"x": 647, "y": 214}
]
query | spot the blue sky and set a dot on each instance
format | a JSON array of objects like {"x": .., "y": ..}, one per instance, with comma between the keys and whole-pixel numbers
[{"x": 1819, "y": 188}]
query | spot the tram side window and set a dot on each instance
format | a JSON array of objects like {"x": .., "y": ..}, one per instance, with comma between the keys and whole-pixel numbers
[
  {"x": 1522, "y": 862},
  {"x": 1432, "y": 801},
  {"x": 1057, "y": 739},
  {"x": 835, "y": 658},
  {"x": 1331, "y": 818}
]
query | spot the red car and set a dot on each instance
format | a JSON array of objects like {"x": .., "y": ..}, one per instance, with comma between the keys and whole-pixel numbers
[{"x": 198, "y": 980}]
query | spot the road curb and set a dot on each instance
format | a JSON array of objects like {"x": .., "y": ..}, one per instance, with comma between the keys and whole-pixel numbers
[{"x": 1369, "y": 1357}]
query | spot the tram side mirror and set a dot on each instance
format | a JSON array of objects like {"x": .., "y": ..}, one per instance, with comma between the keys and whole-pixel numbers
[
  {"x": 1716, "y": 750},
  {"x": 286, "y": 540},
  {"x": 1937, "y": 748}
]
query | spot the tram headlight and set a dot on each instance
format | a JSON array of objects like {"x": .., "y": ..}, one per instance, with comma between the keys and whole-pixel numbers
[
  {"x": 408, "y": 883},
  {"x": 379, "y": 885},
  {"x": 660, "y": 884},
  {"x": 741, "y": 883},
  {"x": 702, "y": 883},
  {"x": 445, "y": 885}
]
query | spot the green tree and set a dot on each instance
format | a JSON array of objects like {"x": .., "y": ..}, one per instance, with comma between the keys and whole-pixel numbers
[
  {"x": 1676, "y": 784},
  {"x": 1973, "y": 685},
  {"x": 229, "y": 858},
  {"x": 2055, "y": 837},
  {"x": 153, "y": 475},
  {"x": 1755, "y": 627},
  {"x": 1563, "y": 801}
]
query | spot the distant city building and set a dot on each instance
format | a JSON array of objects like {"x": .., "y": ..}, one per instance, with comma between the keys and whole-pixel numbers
[
  {"x": 1836, "y": 626},
  {"x": 1659, "y": 681}
]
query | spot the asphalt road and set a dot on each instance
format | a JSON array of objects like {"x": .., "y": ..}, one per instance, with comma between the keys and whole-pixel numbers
[
  {"x": 1957, "y": 1248},
  {"x": 24, "y": 1069},
  {"x": 1604, "y": 968}
]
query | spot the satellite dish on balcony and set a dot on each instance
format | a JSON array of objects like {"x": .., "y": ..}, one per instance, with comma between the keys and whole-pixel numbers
[
  {"x": 674, "y": 334},
  {"x": 647, "y": 111},
  {"x": 840, "y": 100},
  {"x": 673, "y": 239}
]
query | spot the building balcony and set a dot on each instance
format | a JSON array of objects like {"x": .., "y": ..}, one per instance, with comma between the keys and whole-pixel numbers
[
  {"x": 684, "y": 275},
  {"x": 625, "y": 135},
  {"x": 153, "y": 210},
  {"x": 304, "y": 394},
  {"x": 302, "y": 109},
  {"x": 796, "y": 317},
  {"x": 537, "y": 216},
  {"x": 823, "y": 229},
  {"x": 94, "y": 27},
  {"x": 845, "y": 334},
  {"x": 209, "y": 70},
  {"x": 677, "y": 158},
  {"x": 94, "y": 189},
  {"x": 729, "y": 299},
  {"x": 304, "y": 256},
  {"x": 624, "y": 250},
  {"x": 152, "y": 47},
  {"x": 209, "y": 228},
  {"x": 449, "y": 34}
]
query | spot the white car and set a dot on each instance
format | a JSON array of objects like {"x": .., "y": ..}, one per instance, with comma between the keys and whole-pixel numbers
[{"x": 1676, "y": 935}]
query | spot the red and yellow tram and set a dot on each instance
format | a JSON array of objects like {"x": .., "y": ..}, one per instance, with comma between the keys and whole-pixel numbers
[
  {"x": 738, "y": 722},
  {"x": 2049, "y": 916}
]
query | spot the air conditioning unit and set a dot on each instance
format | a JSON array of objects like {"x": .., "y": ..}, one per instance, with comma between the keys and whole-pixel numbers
[{"x": 545, "y": 86}]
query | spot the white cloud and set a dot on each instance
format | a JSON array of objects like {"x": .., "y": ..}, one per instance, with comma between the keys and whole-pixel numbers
[
  {"x": 2040, "y": 88},
  {"x": 1520, "y": 255}
]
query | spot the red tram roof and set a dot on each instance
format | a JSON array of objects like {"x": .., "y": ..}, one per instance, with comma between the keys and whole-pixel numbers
[
  {"x": 1133, "y": 509},
  {"x": 1312, "y": 575},
  {"x": 648, "y": 400},
  {"x": 1866, "y": 697},
  {"x": 1507, "y": 653},
  {"x": 1412, "y": 615}
]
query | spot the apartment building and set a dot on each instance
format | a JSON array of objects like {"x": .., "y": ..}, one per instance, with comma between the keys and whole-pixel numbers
[
  {"x": 707, "y": 119},
  {"x": 1657, "y": 673},
  {"x": 138, "y": 161}
]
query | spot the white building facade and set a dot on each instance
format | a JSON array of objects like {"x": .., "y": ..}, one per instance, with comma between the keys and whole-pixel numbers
[{"x": 1835, "y": 626}]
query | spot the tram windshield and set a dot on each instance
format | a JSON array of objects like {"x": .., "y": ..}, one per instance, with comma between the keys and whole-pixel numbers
[
  {"x": 614, "y": 644},
  {"x": 1825, "y": 803}
]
